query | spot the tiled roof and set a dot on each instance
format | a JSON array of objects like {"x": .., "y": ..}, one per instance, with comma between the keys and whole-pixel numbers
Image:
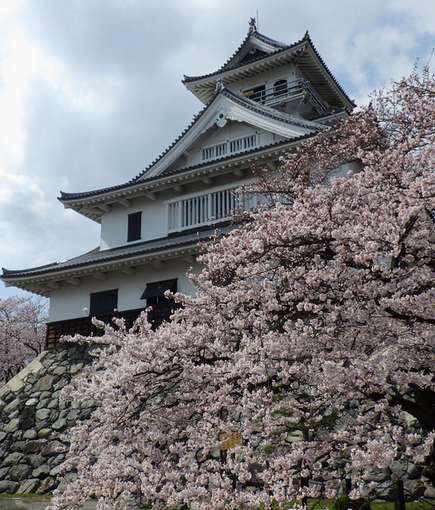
[
  {"x": 308, "y": 38},
  {"x": 179, "y": 171},
  {"x": 243, "y": 101},
  {"x": 283, "y": 48},
  {"x": 115, "y": 254},
  {"x": 228, "y": 65}
]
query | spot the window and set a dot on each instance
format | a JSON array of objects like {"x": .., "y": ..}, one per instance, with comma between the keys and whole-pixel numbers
[
  {"x": 280, "y": 88},
  {"x": 103, "y": 303},
  {"x": 162, "y": 307},
  {"x": 257, "y": 93},
  {"x": 134, "y": 226},
  {"x": 154, "y": 292}
]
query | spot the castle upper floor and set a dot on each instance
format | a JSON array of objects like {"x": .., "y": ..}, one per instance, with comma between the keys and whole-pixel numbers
[{"x": 264, "y": 101}]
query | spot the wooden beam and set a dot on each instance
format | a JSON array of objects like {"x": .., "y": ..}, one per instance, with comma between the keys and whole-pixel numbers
[
  {"x": 85, "y": 209},
  {"x": 206, "y": 180},
  {"x": 238, "y": 172},
  {"x": 125, "y": 202},
  {"x": 100, "y": 276},
  {"x": 178, "y": 187},
  {"x": 73, "y": 281},
  {"x": 158, "y": 264},
  {"x": 151, "y": 195},
  {"x": 104, "y": 207},
  {"x": 52, "y": 285},
  {"x": 128, "y": 270}
]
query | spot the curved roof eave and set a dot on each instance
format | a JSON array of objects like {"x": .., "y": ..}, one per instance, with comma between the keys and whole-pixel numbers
[
  {"x": 141, "y": 177},
  {"x": 199, "y": 169},
  {"x": 107, "y": 260}
]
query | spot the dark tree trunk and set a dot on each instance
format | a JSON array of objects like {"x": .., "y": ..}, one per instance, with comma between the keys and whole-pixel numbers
[{"x": 399, "y": 496}]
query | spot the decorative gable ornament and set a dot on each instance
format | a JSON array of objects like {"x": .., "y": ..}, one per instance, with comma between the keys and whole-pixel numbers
[{"x": 221, "y": 120}]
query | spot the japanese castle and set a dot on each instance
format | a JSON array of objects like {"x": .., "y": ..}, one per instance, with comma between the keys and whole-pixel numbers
[{"x": 263, "y": 101}]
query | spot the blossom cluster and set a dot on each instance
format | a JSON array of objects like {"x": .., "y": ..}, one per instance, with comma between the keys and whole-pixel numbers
[{"x": 22, "y": 333}]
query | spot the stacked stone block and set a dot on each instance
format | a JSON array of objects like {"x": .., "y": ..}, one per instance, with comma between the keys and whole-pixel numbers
[{"x": 34, "y": 422}]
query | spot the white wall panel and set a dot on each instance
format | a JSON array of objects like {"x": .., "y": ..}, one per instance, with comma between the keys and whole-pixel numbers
[{"x": 72, "y": 301}]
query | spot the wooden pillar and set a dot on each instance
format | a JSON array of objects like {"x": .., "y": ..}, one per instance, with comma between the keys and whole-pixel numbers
[{"x": 50, "y": 337}]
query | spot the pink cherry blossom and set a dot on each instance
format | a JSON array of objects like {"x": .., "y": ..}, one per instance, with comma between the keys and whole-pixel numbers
[
  {"x": 306, "y": 357},
  {"x": 22, "y": 333}
]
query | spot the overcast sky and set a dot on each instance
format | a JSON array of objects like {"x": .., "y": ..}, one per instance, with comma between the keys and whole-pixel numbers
[{"x": 90, "y": 90}]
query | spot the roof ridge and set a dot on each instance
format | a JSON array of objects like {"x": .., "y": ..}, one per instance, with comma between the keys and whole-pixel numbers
[
  {"x": 269, "y": 40},
  {"x": 307, "y": 38},
  {"x": 195, "y": 118},
  {"x": 11, "y": 272},
  {"x": 135, "y": 179}
]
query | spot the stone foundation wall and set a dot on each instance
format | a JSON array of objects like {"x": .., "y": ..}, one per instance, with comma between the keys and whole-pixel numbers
[
  {"x": 34, "y": 426},
  {"x": 33, "y": 422}
]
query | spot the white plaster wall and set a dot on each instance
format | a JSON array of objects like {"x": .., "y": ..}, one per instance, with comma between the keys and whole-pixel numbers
[
  {"x": 72, "y": 301},
  {"x": 114, "y": 224}
]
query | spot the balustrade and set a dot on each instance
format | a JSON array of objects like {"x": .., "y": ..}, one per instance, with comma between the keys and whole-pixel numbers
[
  {"x": 220, "y": 150},
  {"x": 206, "y": 208}
]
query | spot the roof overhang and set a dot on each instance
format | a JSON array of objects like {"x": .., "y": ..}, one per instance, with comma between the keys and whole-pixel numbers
[{"x": 302, "y": 53}]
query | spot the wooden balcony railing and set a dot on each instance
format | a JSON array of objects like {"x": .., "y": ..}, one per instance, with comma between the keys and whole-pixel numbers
[
  {"x": 207, "y": 208},
  {"x": 285, "y": 92}
]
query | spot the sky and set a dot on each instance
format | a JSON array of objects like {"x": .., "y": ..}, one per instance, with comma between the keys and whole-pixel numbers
[{"x": 91, "y": 92}]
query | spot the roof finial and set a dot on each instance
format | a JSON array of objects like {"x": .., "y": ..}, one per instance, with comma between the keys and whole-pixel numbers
[
  {"x": 219, "y": 87},
  {"x": 252, "y": 26}
]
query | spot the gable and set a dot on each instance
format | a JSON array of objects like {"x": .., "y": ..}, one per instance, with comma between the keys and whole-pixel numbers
[
  {"x": 250, "y": 50},
  {"x": 228, "y": 107},
  {"x": 218, "y": 142}
]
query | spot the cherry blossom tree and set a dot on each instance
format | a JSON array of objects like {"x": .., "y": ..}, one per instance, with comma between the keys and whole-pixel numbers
[
  {"x": 22, "y": 333},
  {"x": 306, "y": 357}
]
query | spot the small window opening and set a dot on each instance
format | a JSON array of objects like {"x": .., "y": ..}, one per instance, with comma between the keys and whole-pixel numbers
[
  {"x": 134, "y": 226},
  {"x": 103, "y": 303},
  {"x": 162, "y": 307}
]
